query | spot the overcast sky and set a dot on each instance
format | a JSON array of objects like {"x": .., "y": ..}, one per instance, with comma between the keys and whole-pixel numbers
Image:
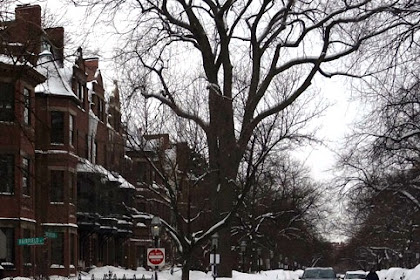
[{"x": 335, "y": 123}]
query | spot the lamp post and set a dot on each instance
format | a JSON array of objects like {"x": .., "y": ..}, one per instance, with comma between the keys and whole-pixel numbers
[
  {"x": 280, "y": 261},
  {"x": 214, "y": 245},
  {"x": 272, "y": 264},
  {"x": 259, "y": 259},
  {"x": 243, "y": 249},
  {"x": 155, "y": 226}
]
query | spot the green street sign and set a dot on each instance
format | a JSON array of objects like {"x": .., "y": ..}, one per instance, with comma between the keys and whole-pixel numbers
[
  {"x": 31, "y": 241},
  {"x": 51, "y": 235}
]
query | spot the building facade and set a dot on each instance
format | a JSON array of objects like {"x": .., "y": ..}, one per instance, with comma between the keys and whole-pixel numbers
[
  {"x": 72, "y": 194},
  {"x": 64, "y": 200}
]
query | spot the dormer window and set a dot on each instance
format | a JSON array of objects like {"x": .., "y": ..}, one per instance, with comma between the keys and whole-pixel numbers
[
  {"x": 80, "y": 92},
  {"x": 45, "y": 46}
]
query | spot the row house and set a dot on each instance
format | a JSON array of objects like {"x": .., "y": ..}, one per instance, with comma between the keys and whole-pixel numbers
[
  {"x": 61, "y": 157},
  {"x": 157, "y": 163},
  {"x": 68, "y": 184}
]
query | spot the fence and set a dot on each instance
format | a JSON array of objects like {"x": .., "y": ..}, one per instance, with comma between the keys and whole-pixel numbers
[{"x": 110, "y": 276}]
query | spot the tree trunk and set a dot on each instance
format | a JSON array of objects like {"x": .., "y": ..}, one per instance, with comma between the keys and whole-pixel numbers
[
  {"x": 186, "y": 266},
  {"x": 223, "y": 161}
]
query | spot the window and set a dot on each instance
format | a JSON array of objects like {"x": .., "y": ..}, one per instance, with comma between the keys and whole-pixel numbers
[
  {"x": 26, "y": 249},
  {"x": 45, "y": 46},
  {"x": 57, "y": 249},
  {"x": 72, "y": 248},
  {"x": 101, "y": 109},
  {"x": 26, "y": 176},
  {"x": 87, "y": 154},
  {"x": 72, "y": 182},
  {"x": 57, "y": 127},
  {"x": 7, "y": 97},
  {"x": 7, "y": 241},
  {"x": 27, "y": 106},
  {"x": 7, "y": 163},
  {"x": 72, "y": 137},
  {"x": 79, "y": 91},
  {"x": 94, "y": 152},
  {"x": 57, "y": 185}
]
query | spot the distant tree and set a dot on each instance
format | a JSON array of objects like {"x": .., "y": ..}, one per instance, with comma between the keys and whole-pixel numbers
[
  {"x": 381, "y": 158},
  {"x": 283, "y": 206},
  {"x": 250, "y": 61}
]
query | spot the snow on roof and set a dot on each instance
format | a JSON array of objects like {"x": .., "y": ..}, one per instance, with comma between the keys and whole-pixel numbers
[
  {"x": 59, "y": 225},
  {"x": 58, "y": 79},
  {"x": 19, "y": 219},
  {"x": 88, "y": 167},
  {"x": 7, "y": 59},
  {"x": 142, "y": 216}
]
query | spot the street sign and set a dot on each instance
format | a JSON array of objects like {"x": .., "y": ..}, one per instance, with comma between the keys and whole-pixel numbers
[
  {"x": 156, "y": 256},
  {"x": 31, "y": 241},
  {"x": 214, "y": 260},
  {"x": 51, "y": 235}
]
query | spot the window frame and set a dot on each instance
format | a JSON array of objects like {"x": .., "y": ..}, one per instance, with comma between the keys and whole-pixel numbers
[
  {"x": 7, "y": 178},
  {"x": 72, "y": 187},
  {"x": 57, "y": 185},
  {"x": 72, "y": 134},
  {"x": 7, "y": 102},
  {"x": 57, "y": 249},
  {"x": 26, "y": 176},
  {"x": 57, "y": 127},
  {"x": 9, "y": 258},
  {"x": 26, "y": 106}
]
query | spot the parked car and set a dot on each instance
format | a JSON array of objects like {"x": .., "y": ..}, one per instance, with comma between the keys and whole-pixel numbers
[
  {"x": 357, "y": 274},
  {"x": 318, "y": 273}
]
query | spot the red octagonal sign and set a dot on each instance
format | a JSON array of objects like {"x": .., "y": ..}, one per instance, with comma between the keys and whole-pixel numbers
[{"x": 156, "y": 256}]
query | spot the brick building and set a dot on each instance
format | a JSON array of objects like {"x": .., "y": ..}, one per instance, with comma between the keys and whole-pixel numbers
[
  {"x": 61, "y": 156},
  {"x": 67, "y": 181}
]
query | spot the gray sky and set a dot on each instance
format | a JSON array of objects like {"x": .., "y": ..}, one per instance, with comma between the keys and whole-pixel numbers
[{"x": 335, "y": 123}]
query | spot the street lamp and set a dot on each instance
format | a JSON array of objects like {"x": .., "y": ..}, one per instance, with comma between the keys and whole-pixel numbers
[
  {"x": 155, "y": 226},
  {"x": 243, "y": 249},
  {"x": 259, "y": 259},
  {"x": 214, "y": 245}
]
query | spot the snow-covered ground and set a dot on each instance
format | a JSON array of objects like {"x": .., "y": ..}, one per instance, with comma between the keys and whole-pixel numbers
[
  {"x": 98, "y": 274},
  {"x": 194, "y": 275}
]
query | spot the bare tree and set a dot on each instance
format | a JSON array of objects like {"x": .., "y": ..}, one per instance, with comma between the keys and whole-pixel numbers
[{"x": 242, "y": 53}]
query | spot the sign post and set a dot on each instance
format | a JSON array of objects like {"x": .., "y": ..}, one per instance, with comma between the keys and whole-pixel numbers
[{"x": 155, "y": 258}]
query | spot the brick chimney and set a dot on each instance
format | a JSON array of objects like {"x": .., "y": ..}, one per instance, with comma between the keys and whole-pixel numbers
[
  {"x": 91, "y": 65},
  {"x": 27, "y": 28},
  {"x": 56, "y": 39},
  {"x": 29, "y": 14}
]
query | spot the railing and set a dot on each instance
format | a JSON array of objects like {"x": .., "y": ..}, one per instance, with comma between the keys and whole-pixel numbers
[{"x": 110, "y": 276}]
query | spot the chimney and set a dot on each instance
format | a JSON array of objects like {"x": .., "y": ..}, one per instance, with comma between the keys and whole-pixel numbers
[
  {"x": 27, "y": 28},
  {"x": 29, "y": 14},
  {"x": 91, "y": 65},
  {"x": 56, "y": 39}
]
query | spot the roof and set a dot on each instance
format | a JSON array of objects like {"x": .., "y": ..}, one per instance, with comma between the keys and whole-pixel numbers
[
  {"x": 87, "y": 167},
  {"x": 58, "y": 78}
]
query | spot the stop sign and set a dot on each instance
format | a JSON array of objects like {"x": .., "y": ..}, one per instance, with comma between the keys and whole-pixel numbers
[{"x": 156, "y": 256}]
